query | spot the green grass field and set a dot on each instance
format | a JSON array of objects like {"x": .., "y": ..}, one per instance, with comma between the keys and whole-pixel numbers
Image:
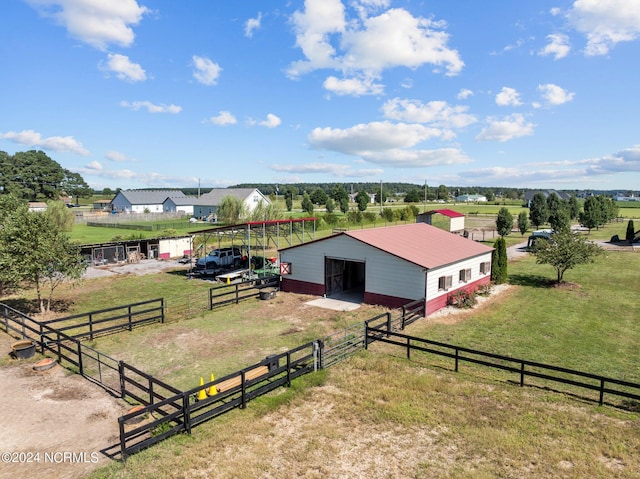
[{"x": 379, "y": 415}]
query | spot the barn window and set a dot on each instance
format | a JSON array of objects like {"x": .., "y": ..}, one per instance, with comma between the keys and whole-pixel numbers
[
  {"x": 485, "y": 268},
  {"x": 465, "y": 275},
  {"x": 444, "y": 283}
]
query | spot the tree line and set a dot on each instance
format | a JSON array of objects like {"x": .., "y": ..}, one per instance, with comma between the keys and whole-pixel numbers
[{"x": 33, "y": 176}]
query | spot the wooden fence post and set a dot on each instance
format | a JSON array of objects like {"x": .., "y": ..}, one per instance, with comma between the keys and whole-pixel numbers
[
  {"x": 122, "y": 382},
  {"x": 186, "y": 411},
  {"x": 90, "y": 326},
  {"x": 79, "y": 346}
]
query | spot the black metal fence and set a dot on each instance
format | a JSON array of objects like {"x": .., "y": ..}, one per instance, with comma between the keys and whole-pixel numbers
[
  {"x": 377, "y": 329},
  {"x": 183, "y": 411},
  {"x": 109, "y": 320},
  {"x": 234, "y": 293}
]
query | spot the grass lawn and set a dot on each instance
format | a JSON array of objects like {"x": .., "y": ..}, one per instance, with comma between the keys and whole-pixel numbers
[{"x": 378, "y": 415}]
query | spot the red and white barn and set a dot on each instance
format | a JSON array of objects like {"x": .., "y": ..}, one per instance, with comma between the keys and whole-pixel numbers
[{"x": 390, "y": 266}]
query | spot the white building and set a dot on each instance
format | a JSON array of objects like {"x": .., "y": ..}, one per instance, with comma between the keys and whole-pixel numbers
[{"x": 390, "y": 266}]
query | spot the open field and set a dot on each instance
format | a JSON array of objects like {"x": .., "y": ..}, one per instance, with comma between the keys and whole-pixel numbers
[{"x": 378, "y": 415}]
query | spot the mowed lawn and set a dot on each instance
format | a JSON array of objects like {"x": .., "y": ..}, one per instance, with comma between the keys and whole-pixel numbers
[{"x": 379, "y": 415}]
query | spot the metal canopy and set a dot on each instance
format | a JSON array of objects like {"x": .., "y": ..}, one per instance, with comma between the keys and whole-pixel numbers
[{"x": 261, "y": 235}]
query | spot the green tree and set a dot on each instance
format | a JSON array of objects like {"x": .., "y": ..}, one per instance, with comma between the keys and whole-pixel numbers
[
  {"x": 318, "y": 196},
  {"x": 32, "y": 175},
  {"x": 559, "y": 218},
  {"x": 592, "y": 214},
  {"x": 40, "y": 253},
  {"x": 504, "y": 222},
  {"x": 538, "y": 211},
  {"x": 490, "y": 196},
  {"x": 565, "y": 250},
  {"x": 264, "y": 211},
  {"x": 338, "y": 193},
  {"x": 329, "y": 205},
  {"x": 73, "y": 184},
  {"x": 344, "y": 205},
  {"x": 60, "y": 215},
  {"x": 412, "y": 196},
  {"x": 523, "y": 222},
  {"x": 307, "y": 204},
  {"x": 381, "y": 200},
  {"x": 11, "y": 211},
  {"x": 362, "y": 200},
  {"x": 631, "y": 233},
  {"x": 289, "y": 202},
  {"x": 499, "y": 262},
  {"x": 442, "y": 193},
  {"x": 388, "y": 214},
  {"x": 230, "y": 210},
  {"x": 574, "y": 208}
]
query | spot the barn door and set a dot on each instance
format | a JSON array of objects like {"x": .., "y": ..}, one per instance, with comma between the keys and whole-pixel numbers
[{"x": 334, "y": 276}]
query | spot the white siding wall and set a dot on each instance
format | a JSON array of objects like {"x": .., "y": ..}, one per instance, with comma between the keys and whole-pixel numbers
[
  {"x": 385, "y": 273},
  {"x": 457, "y": 224},
  {"x": 151, "y": 208},
  {"x": 453, "y": 270},
  {"x": 175, "y": 247}
]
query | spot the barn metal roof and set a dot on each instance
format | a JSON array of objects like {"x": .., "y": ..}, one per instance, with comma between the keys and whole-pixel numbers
[
  {"x": 420, "y": 243},
  {"x": 445, "y": 212}
]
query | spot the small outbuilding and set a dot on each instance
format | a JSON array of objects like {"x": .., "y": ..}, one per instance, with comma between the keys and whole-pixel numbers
[
  {"x": 389, "y": 266},
  {"x": 445, "y": 219}
]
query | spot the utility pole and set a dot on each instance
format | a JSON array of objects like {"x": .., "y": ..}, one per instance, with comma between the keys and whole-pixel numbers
[{"x": 380, "y": 197}]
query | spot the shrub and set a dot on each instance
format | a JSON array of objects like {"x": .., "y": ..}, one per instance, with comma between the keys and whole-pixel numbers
[
  {"x": 484, "y": 290},
  {"x": 462, "y": 299},
  {"x": 630, "y": 232}
]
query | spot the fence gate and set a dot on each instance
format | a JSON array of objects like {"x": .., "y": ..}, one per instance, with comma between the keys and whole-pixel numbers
[
  {"x": 342, "y": 344},
  {"x": 100, "y": 369}
]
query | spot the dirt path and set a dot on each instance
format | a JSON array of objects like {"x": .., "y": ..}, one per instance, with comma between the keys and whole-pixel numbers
[{"x": 53, "y": 424}]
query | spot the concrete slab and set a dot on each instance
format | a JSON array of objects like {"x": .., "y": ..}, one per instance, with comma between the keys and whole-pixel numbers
[{"x": 334, "y": 304}]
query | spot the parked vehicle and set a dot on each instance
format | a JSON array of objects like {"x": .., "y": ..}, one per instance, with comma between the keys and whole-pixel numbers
[{"x": 219, "y": 259}]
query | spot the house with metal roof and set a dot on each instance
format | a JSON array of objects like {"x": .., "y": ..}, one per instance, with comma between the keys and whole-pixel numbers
[
  {"x": 207, "y": 205},
  {"x": 180, "y": 204},
  {"x": 143, "y": 201},
  {"x": 390, "y": 266},
  {"x": 446, "y": 219}
]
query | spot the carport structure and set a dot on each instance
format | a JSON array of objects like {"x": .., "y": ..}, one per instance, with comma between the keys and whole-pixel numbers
[{"x": 258, "y": 236}]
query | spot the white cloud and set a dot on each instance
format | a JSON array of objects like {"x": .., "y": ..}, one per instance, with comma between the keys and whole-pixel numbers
[
  {"x": 116, "y": 156},
  {"x": 386, "y": 143},
  {"x": 94, "y": 165},
  {"x": 510, "y": 127},
  {"x": 554, "y": 95},
  {"x": 368, "y": 44},
  {"x": 605, "y": 23},
  {"x": 223, "y": 118},
  {"x": 535, "y": 174},
  {"x": 124, "y": 68},
  {"x": 206, "y": 71},
  {"x": 332, "y": 169},
  {"x": 271, "y": 122},
  {"x": 438, "y": 113},
  {"x": 558, "y": 46},
  {"x": 464, "y": 94},
  {"x": 55, "y": 143},
  {"x": 98, "y": 23},
  {"x": 365, "y": 138},
  {"x": 419, "y": 158},
  {"x": 251, "y": 25},
  {"x": 151, "y": 107},
  {"x": 508, "y": 97},
  {"x": 353, "y": 86}
]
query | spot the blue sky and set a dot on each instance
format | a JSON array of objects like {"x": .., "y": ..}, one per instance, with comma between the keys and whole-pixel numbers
[{"x": 160, "y": 93}]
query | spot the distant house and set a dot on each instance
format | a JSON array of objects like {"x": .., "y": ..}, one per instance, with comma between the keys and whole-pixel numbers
[
  {"x": 390, "y": 266},
  {"x": 183, "y": 204},
  {"x": 143, "y": 201},
  {"x": 102, "y": 205},
  {"x": 445, "y": 219},
  {"x": 37, "y": 206},
  {"x": 372, "y": 198},
  {"x": 623, "y": 198},
  {"x": 528, "y": 195},
  {"x": 207, "y": 205},
  {"x": 471, "y": 199}
]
